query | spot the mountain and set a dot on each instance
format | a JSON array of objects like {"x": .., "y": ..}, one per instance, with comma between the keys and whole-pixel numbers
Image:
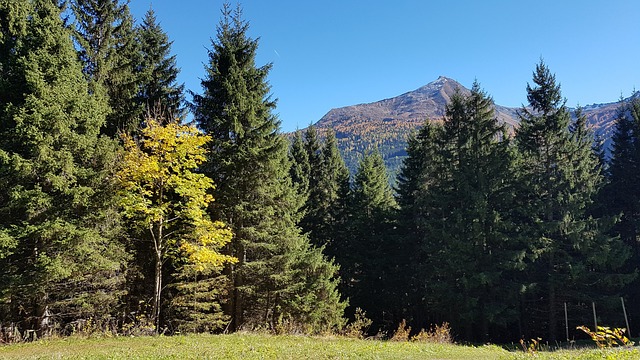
[{"x": 386, "y": 124}]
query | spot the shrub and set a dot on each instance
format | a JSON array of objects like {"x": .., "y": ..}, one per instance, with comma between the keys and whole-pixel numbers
[
  {"x": 402, "y": 334},
  {"x": 440, "y": 334},
  {"x": 359, "y": 326},
  {"x": 606, "y": 337}
]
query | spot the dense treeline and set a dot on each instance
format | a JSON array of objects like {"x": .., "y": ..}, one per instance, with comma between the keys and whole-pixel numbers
[
  {"x": 490, "y": 232},
  {"x": 116, "y": 216}
]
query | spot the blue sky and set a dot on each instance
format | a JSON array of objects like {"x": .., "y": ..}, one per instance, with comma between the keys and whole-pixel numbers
[{"x": 329, "y": 54}]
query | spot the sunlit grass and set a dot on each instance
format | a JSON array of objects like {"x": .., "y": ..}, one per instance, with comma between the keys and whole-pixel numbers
[{"x": 257, "y": 346}]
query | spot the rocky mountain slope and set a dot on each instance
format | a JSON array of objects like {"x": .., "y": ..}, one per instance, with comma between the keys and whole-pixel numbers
[{"x": 386, "y": 124}]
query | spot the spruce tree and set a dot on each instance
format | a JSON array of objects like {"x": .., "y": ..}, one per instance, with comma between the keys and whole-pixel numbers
[
  {"x": 107, "y": 45},
  {"x": 469, "y": 244},
  {"x": 619, "y": 196},
  {"x": 280, "y": 277},
  {"x": 300, "y": 168},
  {"x": 311, "y": 222},
  {"x": 56, "y": 215},
  {"x": 417, "y": 176},
  {"x": 335, "y": 187},
  {"x": 158, "y": 70},
  {"x": 326, "y": 183},
  {"x": 558, "y": 181},
  {"x": 365, "y": 257}
]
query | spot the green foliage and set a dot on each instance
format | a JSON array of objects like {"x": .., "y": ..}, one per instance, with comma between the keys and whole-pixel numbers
[
  {"x": 279, "y": 274},
  {"x": 196, "y": 301},
  {"x": 366, "y": 253},
  {"x": 106, "y": 39},
  {"x": 58, "y": 227},
  {"x": 319, "y": 167},
  {"x": 571, "y": 258},
  {"x": 455, "y": 192},
  {"x": 300, "y": 167},
  {"x": 619, "y": 197},
  {"x": 158, "y": 70}
]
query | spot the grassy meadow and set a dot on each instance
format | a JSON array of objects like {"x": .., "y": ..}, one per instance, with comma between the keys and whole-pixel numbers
[{"x": 259, "y": 346}]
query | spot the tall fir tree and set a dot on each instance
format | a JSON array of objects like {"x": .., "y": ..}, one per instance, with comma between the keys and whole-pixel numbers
[
  {"x": 558, "y": 178},
  {"x": 335, "y": 187},
  {"x": 300, "y": 167},
  {"x": 279, "y": 277},
  {"x": 312, "y": 213},
  {"x": 365, "y": 255},
  {"x": 107, "y": 45},
  {"x": 159, "y": 90},
  {"x": 619, "y": 196},
  {"x": 472, "y": 255},
  {"x": 417, "y": 176},
  {"x": 57, "y": 217}
]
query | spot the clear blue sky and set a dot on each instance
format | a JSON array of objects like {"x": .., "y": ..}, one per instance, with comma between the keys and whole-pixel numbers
[{"x": 332, "y": 53}]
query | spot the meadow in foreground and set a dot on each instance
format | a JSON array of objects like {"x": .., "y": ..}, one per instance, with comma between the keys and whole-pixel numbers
[{"x": 258, "y": 346}]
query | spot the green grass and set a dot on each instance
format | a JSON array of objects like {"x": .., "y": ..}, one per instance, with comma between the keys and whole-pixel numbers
[{"x": 256, "y": 346}]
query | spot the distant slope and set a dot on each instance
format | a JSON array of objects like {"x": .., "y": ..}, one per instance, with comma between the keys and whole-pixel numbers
[{"x": 386, "y": 124}]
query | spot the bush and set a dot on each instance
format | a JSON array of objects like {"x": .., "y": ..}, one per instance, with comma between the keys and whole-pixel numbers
[
  {"x": 440, "y": 334},
  {"x": 359, "y": 326}
]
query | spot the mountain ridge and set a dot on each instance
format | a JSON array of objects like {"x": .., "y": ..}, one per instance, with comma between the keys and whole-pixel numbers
[{"x": 386, "y": 124}]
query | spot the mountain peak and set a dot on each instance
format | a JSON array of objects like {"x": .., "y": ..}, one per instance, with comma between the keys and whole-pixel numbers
[{"x": 387, "y": 123}]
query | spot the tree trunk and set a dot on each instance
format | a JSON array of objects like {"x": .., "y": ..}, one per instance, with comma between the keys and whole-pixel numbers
[
  {"x": 158, "y": 274},
  {"x": 238, "y": 311},
  {"x": 157, "y": 292},
  {"x": 553, "y": 321}
]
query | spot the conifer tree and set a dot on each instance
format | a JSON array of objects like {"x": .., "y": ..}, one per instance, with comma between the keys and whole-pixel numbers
[
  {"x": 279, "y": 276},
  {"x": 417, "y": 176},
  {"x": 56, "y": 214},
  {"x": 365, "y": 257},
  {"x": 159, "y": 91},
  {"x": 300, "y": 168},
  {"x": 335, "y": 188},
  {"x": 469, "y": 244},
  {"x": 324, "y": 181},
  {"x": 108, "y": 48},
  {"x": 311, "y": 220},
  {"x": 559, "y": 179},
  {"x": 619, "y": 196},
  {"x": 624, "y": 174}
]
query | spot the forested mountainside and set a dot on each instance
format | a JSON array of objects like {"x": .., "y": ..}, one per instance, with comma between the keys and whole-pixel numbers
[{"x": 386, "y": 124}]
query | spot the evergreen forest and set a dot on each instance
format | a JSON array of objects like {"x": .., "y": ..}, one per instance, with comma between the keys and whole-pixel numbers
[{"x": 119, "y": 213}]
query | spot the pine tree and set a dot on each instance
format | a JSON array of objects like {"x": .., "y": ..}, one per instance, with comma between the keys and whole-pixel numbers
[
  {"x": 300, "y": 168},
  {"x": 417, "y": 176},
  {"x": 470, "y": 243},
  {"x": 365, "y": 256},
  {"x": 110, "y": 53},
  {"x": 280, "y": 277},
  {"x": 559, "y": 179},
  {"x": 325, "y": 177},
  {"x": 335, "y": 188},
  {"x": 619, "y": 196},
  {"x": 311, "y": 222},
  {"x": 57, "y": 217},
  {"x": 158, "y": 70},
  {"x": 624, "y": 174}
]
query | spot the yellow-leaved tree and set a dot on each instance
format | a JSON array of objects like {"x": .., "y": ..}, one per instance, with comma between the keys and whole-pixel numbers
[{"x": 166, "y": 201}]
